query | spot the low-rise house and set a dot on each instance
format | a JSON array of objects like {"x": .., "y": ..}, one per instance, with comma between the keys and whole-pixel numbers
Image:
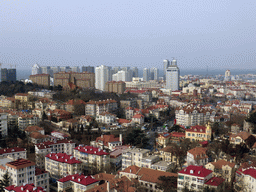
[
  {"x": 71, "y": 104},
  {"x": 59, "y": 114},
  {"x": 31, "y": 129},
  {"x": 107, "y": 142},
  {"x": 167, "y": 154},
  {"x": 57, "y": 146},
  {"x": 116, "y": 156},
  {"x": 163, "y": 139},
  {"x": 106, "y": 118},
  {"x": 138, "y": 118},
  {"x": 92, "y": 157},
  {"x": 215, "y": 183},
  {"x": 133, "y": 156},
  {"x": 13, "y": 153},
  {"x": 197, "y": 156},
  {"x": 77, "y": 183},
  {"x": 85, "y": 120},
  {"x": 222, "y": 168},
  {"x": 61, "y": 164},
  {"x": 27, "y": 120},
  {"x": 94, "y": 108},
  {"x": 239, "y": 138},
  {"x": 199, "y": 133},
  {"x": 235, "y": 128},
  {"x": 36, "y": 137}
]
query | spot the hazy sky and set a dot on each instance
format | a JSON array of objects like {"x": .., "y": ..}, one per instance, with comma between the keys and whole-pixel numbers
[{"x": 217, "y": 33}]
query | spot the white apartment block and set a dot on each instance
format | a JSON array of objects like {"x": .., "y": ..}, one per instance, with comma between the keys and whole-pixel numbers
[
  {"x": 102, "y": 74},
  {"x": 77, "y": 183},
  {"x": 106, "y": 118},
  {"x": 120, "y": 76},
  {"x": 61, "y": 164},
  {"x": 95, "y": 108},
  {"x": 91, "y": 156},
  {"x": 26, "y": 120},
  {"x": 13, "y": 153},
  {"x": 58, "y": 146},
  {"x": 133, "y": 156},
  {"x": 194, "y": 177},
  {"x": 3, "y": 124},
  {"x": 246, "y": 179},
  {"x": 20, "y": 171},
  {"x": 192, "y": 114}
]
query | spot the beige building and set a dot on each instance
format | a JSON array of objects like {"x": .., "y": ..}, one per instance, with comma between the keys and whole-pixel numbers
[
  {"x": 246, "y": 179},
  {"x": 95, "y": 108},
  {"x": 115, "y": 87},
  {"x": 83, "y": 80},
  {"x": 222, "y": 168},
  {"x": 58, "y": 146},
  {"x": 61, "y": 164},
  {"x": 197, "y": 156},
  {"x": 133, "y": 156},
  {"x": 167, "y": 154},
  {"x": 7, "y": 102},
  {"x": 22, "y": 97},
  {"x": 41, "y": 79},
  {"x": 77, "y": 183},
  {"x": 27, "y": 120},
  {"x": 92, "y": 157},
  {"x": 199, "y": 133}
]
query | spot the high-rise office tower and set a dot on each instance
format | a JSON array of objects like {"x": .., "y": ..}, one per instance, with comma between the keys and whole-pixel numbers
[
  {"x": 227, "y": 75},
  {"x": 8, "y": 74},
  {"x": 145, "y": 74},
  {"x": 173, "y": 76},
  {"x": 89, "y": 69},
  {"x": 36, "y": 69},
  {"x": 154, "y": 72},
  {"x": 135, "y": 72},
  {"x": 101, "y": 77},
  {"x": 166, "y": 65}
]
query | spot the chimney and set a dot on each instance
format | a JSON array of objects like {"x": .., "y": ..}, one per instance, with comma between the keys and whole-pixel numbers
[
  {"x": 108, "y": 188},
  {"x": 121, "y": 138}
]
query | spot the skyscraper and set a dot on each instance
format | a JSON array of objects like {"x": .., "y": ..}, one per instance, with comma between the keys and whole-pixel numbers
[
  {"x": 8, "y": 74},
  {"x": 36, "y": 69},
  {"x": 173, "y": 76},
  {"x": 120, "y": 76},
  {"x": 101, "y": 77},
  {"x": 146, "y": 74},
  {"x": 89, "y": 69},
  {"x": 227, "y": 75},
  {"x": 154, "y": 73},
  {"x": 135, "y": 72},
  {"x": 166, "y": 65}
]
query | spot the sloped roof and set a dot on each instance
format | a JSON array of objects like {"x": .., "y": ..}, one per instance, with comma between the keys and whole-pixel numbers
[{"x": 198, "y": 171}]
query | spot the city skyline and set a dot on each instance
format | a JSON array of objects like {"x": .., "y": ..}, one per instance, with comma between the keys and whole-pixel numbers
[{"x": 142, "y": 34}]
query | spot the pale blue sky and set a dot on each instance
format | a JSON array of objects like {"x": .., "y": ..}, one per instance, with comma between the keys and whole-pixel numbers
[{"x": 217, "y": 33}]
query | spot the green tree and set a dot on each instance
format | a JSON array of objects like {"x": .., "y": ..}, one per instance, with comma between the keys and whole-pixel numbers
[
  {"x": 6, "y": 179},
  {"x": 136, "y": 138},
  {"x": 167, "y": 184}
]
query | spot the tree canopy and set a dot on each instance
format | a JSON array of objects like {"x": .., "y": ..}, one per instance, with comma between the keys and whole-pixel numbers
[{"x": 136, "y": 138}]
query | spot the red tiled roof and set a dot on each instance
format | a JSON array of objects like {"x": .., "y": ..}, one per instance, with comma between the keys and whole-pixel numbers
[
  {"x": 11, "y": 150},
  {"x": 178, "y": 134},
  {"x": 107, "y": 138},
  {"x": 249, "y": 171},
  {"x": 121, "y": 121},
  {"x": 28, "y": 188},
  {"x": 91, "y": 150},
  {"x": 63, "y": 157},
  {"x": 132, "y": 169},
  {"x": 75, "y": 102},
  {"x": 20, "y": 163},
  {"x": 33, "y": 128},
  {"x": 81, "y": 179},
  {"x": 197, "y": 128},
  {"x": 198, "y": 171},
  {"x": 138, "y": 116},
  {"x": 48, "y": 143},
  {"x": 40, "y": 171}
]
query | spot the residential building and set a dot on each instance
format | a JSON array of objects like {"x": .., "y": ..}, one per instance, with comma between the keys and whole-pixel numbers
[
  {"x": 199, "y": 133},
  {"x": 57, "y": 146},
  {"x": 222, "y": 168},
  {"x": 61, "y": 164},
  {"x": 245, "y": 179},
  {"x": 163, "y": 139},
  {"x": 8, "y": 74},
  {"x": 27, "y": 120},
  {"x": 7, "y": 102},
  {"x": 167, "y": 154},
  {"x": 22, "y": 97},
  {"x": 77, "y": 183},
  {"x": 116, "y": 156},
  {"x": 42, "y": 179},
  {"x": 102, "y": 75},
  {"x": 13, "y": 153},
  {"x": 173, "y": 76},
  {"x": 166, "y": 65},
  {"x": 106, "y": 118},
  {"x": 92, "y": 157},
  {"x": 197, "y": 156},
  {"x": 133, "y": 156},
  {"x": 107, "y": 142},
  {"x": 20, "y": 171},
  {"x": 239, "y": 138},
  {"x": 147, "y": 178},
  {"x": 138, "y": 118},
  {"x": 94, "y": 108},
  {"x": 146, "y": 74},
  {"x": 82, "y": 80},
  {"x": 34, "y": 128},
  {"x": 120, "y": 76},
  {"x": 41, "y": 79},
  {"x": 71, "y": 104},
  {"x": 3, "y": 124},
  {"x": 193, "y": 114},
  {"x": 194, "y": 177},
  {"x": 154, "y": 72},
  {"x": 115, "y": 87},
  {"x": 26, "y": 187},
  {"x": 89, "y": 69}
]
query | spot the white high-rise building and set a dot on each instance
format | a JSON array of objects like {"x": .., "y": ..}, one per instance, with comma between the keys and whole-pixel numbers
[
  {"x": 120, "y": 76},
  {"x": 227, "y": 75},
  {"x": 36, "y": 69},
  {"x": 173, "y": 76},
  {"x": 3, "y": 125},
  {"x": 166, "y": 65},
  {"x": 101, "y": 77},
  {"x": 146, "y": 74},
  {"x": 154, "y": 73}
]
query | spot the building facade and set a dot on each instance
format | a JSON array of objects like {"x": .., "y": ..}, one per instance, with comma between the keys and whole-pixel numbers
[
  {"x": 41, "y": 79},
  {"x": 173, "y": 76}
]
